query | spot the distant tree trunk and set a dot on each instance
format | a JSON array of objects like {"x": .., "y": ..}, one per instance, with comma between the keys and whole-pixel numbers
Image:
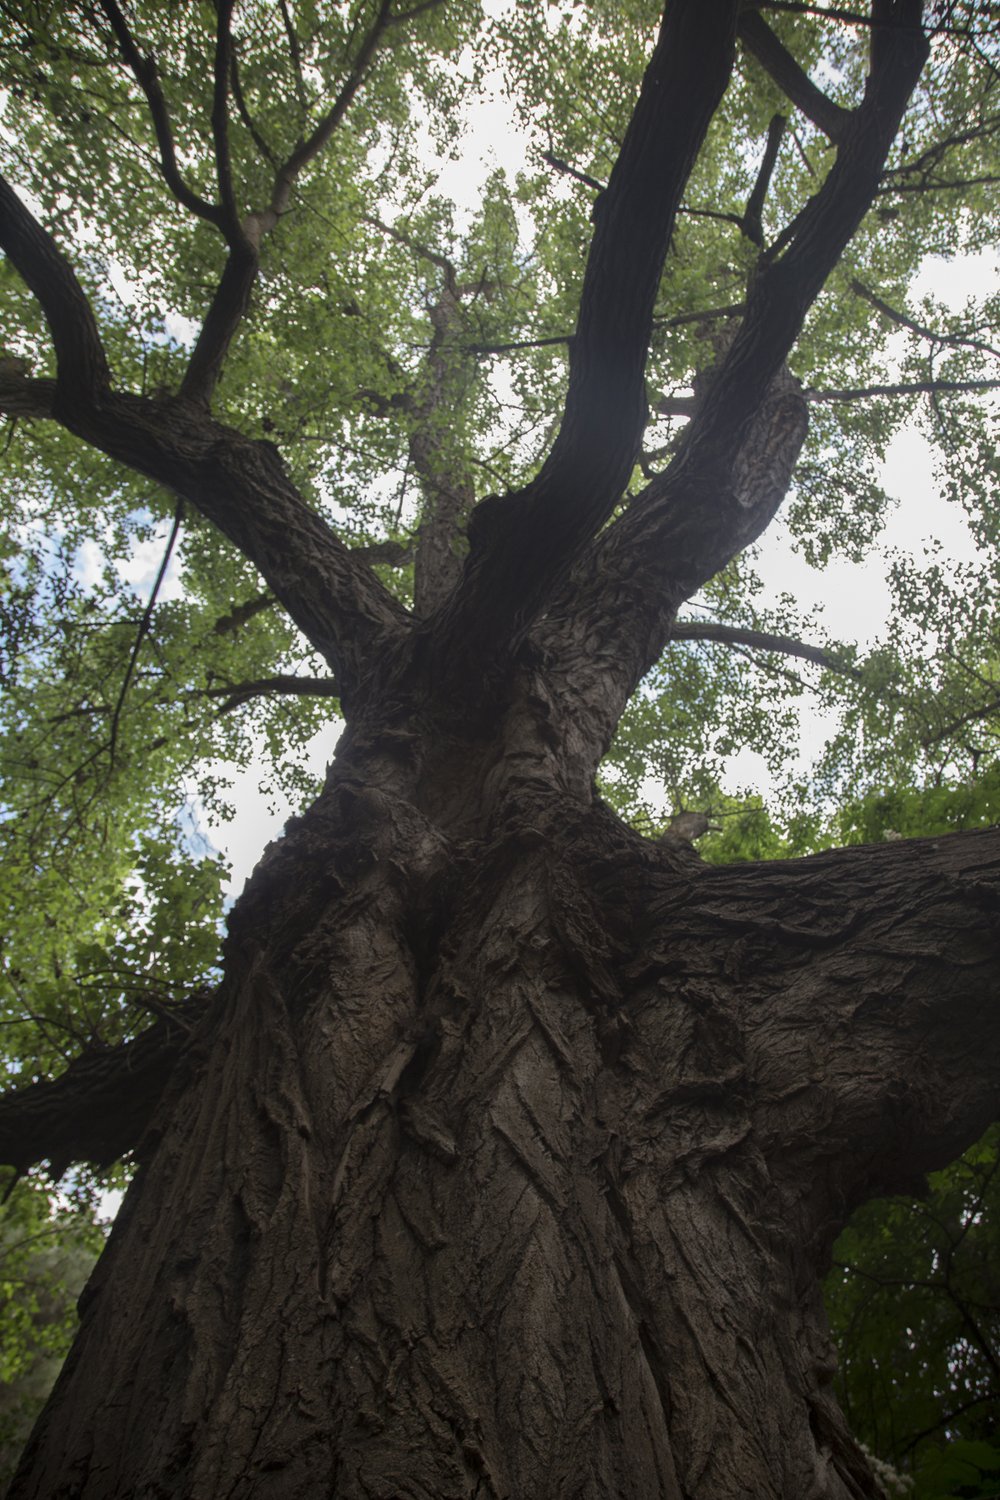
[{"x": 510, "y": 1155}]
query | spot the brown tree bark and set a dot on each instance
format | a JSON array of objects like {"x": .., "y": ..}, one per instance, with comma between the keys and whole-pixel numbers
[{"x": 508, "y": 1156}]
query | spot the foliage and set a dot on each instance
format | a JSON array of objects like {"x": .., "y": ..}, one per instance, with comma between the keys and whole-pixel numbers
[
  {"x": 915, "y": 1296},
  {"x": 387, "y": 319},
  {"x": 48, "y": 1244}
]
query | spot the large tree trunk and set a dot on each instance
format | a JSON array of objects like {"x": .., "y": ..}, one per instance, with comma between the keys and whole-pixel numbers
[{"x": 510, "y": 1156}]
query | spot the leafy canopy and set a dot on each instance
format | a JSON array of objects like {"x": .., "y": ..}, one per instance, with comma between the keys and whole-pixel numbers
[{"x": 407, "y": 352}]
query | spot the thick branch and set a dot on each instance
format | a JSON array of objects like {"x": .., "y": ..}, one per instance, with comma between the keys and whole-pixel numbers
[
  {"x": 100, "y": 1107},
  {"x": 220, "y": 116},
  {"x": 736, "y": 456},
  {"x": 82, "y": 363},
  {"x": 875, "y": 1013},
  {"x": 238, "y": 484},
  {"x": 523, "y": 544},
  {"x": 23, "y": 397},
  {"x": 242, "y": 486},
  {"x": 776, "y": 60},
  {"x": 785, "y": 290},
  {"x": 445, "y": 481}
]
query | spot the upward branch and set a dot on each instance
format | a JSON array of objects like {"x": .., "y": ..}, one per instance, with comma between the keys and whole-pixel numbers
[
  {"x": 776, "y": 60},
  {"x": 232, "y": 297},
  {"x": 80, "y": 356},
  {"x": 523, "y": 544},
  {"x": 145, "y": 72},
  {"x": 240, "y": 485},
  {"x": 737, "y": 453}
]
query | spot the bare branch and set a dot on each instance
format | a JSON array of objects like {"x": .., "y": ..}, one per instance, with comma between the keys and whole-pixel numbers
[
  {"x": 307, "y": 150},
  {"x": 672, "y": 320},
  {"x": 922, "y": 165},
  {"x": 831, "y": 13},
  {"x": 144, "y": 624},
  {"x": 245, "y": 115},
  {"x": 283, "y": 684},
  {"x": 238, "y": 484},
  {"x": 145, "y": 73},
  {"x": 546, "y": 343},
  {"x": 222, "y": 321},
  {"x": 952, "y": 340},
  {"x": 791, "y": 78},
  {"x": 220, "y": 115},
  {"x": 718, "y": 214},
  {"x": 685, "y": 406},
  {"x": 391, "y": 553},
  {"x": 957, "y": 184},
  {"x": 240, "y": 614},
  {"x": 760, "y": 640},
  {"x": 23, "y": 397},
  {"x": 974, "y": 716},
  {"x": 735, "y": 459},
  {"x": 564, "y": 166},
  {"x": 447, "y": 486},
  {"x": 401, "y": 18},
  {"x": 423, "y": 251},
  {"x": 295, "y": 53},
  {"x": 904, "y": 388},
  {"x": 242, "y": 486},
  {"x": 100, "y": 1107}
]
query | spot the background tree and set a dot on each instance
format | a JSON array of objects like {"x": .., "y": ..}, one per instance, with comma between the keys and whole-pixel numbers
[{"x": 504, "y": 1150}]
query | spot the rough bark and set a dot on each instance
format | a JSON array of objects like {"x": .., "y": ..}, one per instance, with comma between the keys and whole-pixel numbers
[
  {"x": 511, "y": 1157},
  {"x": 99, "y": 1108},
  {"x": 508, "y": 1159}
]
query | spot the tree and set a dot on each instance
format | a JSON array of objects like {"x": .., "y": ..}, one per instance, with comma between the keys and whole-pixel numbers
[{"x": 505, "y": 1152}]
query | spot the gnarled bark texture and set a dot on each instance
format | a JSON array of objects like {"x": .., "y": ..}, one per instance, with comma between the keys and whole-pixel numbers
[{"x": 509, "y": 1157}]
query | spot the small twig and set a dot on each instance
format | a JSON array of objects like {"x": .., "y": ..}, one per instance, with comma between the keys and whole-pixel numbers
[
  {"x": 295, "y": 52},
  {"x": 953, "y": 340},
  {"x": 144, "y": 625},
  {"x": 574, "y": 172}
]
